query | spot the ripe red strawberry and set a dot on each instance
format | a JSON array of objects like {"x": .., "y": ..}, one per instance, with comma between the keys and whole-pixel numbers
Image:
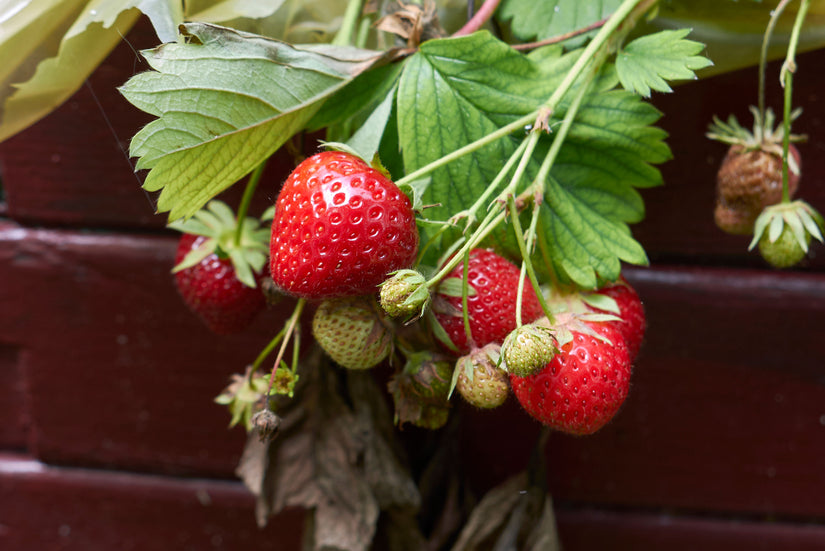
[
  {"x": 211, "y": 289},
  {"x": 583, "y": 386},
  {"x": 340, "y": 227},
  {"x": 633, "y": 323},
  {"x": 492, "y": 309}
]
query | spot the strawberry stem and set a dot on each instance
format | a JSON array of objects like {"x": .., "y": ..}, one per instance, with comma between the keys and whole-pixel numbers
[
  {"x": 246, "y": 200},
  {"x": 479, "y": 18},
  {"x": 526, "y": 262},
  {"x": 465, "y": 293},
  {"x": 349, "y": 24},
  {"x": 763, "y": 61},
  {"x": 786, "y": 79},
  {"x": 267, "y": 350},
  {"x": 288, "y": 331}
]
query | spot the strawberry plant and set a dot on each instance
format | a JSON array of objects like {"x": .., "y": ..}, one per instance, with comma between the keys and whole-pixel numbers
[{"x": 460, "y": 222}]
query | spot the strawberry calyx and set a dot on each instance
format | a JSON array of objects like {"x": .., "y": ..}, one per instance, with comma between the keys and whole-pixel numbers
[
  {"x": 245, "y": 246},
  {"x": 766, "y": 135},
  {"x": 784, "y": 232}
]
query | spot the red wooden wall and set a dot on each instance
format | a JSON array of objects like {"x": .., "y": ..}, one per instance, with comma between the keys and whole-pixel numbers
[{"x": 109, "y": 438}]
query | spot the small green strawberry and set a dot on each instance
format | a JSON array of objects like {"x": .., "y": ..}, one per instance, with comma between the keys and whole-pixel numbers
[
  {"x": 784, "y": 231},
  {"x": 405, "y": 295},
  {"x": 352, "y": 331},
  {"x": 479, "y": 379},
  {"x": 528, "y": 349},
  {"x": 420, "y": 390}
]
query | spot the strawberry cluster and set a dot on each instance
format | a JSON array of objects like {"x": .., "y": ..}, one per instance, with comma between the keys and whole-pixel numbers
[{"x": 344, "y": 240}]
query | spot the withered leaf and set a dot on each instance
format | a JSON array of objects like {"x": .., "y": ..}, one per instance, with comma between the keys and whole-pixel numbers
[{"x": 334, "y": 456}]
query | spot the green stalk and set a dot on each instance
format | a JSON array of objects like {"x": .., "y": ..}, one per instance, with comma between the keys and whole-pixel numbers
[
  {"x": 763, "y": 58},
  {"x": 525, "y": 255},
  {"x": 288, "y": 331},
  {"x": 267, "y": 350},
  {"x": 786, "y": 79},
  {"x": 465, "y": 298},
  {"x": 248, "y": 192},
  {"x": 349, "y": 24}
]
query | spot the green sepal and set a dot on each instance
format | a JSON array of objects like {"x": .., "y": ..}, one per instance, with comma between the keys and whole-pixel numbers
[
  {"x": 439, "y": 332},
  {"x": 454, "y": 287}
]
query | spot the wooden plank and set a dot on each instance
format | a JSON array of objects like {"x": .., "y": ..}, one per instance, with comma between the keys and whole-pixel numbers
[
  {"x": 679, "y": 223},
  {"x": 13, "y": 410},
  {"x": 77, "y": 509},
  {"x": 726, "y": 410},
  {"x": 118, "y": 371},
  {"x": 584, "y": 530}
]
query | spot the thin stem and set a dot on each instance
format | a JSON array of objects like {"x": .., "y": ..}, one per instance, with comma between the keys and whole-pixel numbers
[
  {"x": 469, "y": 148},
  {"x": 525, "y": 255},
  {"x": 478, "y": 19},
  {"x": 267, "y": 350},
  {"x": 786, "y": 79},
  {"x": 248, "y": 192},
  {"x": 288, "y": 331},
  {"x": 763, "y": 57},
  {"x": 349, "y": 24},
  {"x": 560, "y": 38},
  {"x": 465, "y": 298}
]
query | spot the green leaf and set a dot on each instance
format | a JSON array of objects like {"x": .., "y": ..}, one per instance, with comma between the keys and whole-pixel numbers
[
  {"x": 456, "y": 91},
  {"x": 368, "y": 137},
  {"x": 226, "y": 10},
  {"x": 650, "y": 61},
  {"x": 453, "y": 92},
  {"x": 227, "y": 100},
  {"x": 532, "y": 20}
]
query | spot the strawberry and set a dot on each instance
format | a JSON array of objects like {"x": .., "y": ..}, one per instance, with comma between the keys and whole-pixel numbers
[
  {"x": 750, "y": 176},
  {"x": 219, "y": 267},
  {"x": 784, "y": 232},
  {"x": 747, "y": 182},
  {"x": 583, "y": 386},
  {"x": 479, "y": 380},
  {"x": 212, "y": 289},
  {"x": 420, "y": 390},
  {"x": 352, "y": 331},
  {"x": 340, "y": 227},
  {"x": 492, "y": 307},
  {"x": 633, "y": 323}
]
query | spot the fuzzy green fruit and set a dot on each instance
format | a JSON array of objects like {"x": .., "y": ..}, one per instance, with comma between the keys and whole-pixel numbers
[
  {"x": 352, "y": 332},
  {"x": 786, "y": 251}
]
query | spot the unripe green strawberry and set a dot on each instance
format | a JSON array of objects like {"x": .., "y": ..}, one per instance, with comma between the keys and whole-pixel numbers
[
  {"x": 405, "y": 295},
  {"x": 480, "y": 381},
  {"x": 352, "y": 331},
  {"x": 529, "y": 348},
  {"x": 786, "y": 251},
  {"x": 420, "y": 390}
]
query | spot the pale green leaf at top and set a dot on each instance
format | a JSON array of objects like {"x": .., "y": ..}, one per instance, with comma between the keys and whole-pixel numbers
[
  {"x": 40, "y": 70},
  {"x": 220, "y": 11},
  {"x": 537, "y": 20},
  {"x": 649, "y": 62},
  {"x": 226, "y": 101},
  {"x": 165, "y": 15}
]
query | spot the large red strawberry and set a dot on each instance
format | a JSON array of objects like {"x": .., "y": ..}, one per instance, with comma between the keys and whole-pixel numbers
[
  {"x": 633, "y": 323},
  {"x": 492, "y": 309},
  {"x": 340, "y": 227},
  {"x": 212, "y": 289},
  {"x": 583, "y": 386}
]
